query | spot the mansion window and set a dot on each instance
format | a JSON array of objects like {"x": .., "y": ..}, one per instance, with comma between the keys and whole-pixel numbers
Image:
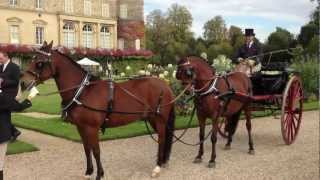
[
  {"x": 121, "y": 44},
  {"x": 68, "y": 6},
  {"x": 87, "y": 7},
  {"x": 39, "y": 4},
  {"x": 39, "y": 35},
  {"x": 87, "y": 36},
  {"x": 123, "y": 11},
  {"x": 14, "y": 34},
  {"x": 13, "y": 2},
  {"x": 69, "y": 35},
  {"x": 105, "y": 10},
  {"x": 105, "y": 38},
  {"x": 137, "y": 44}
]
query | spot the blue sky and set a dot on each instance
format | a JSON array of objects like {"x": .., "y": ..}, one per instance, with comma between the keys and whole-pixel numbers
[{"x": 263, "y": 16}]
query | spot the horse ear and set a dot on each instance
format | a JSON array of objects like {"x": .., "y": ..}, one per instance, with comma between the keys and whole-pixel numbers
[
  {"x": 50, "y": 45},
  {"x": 45, "y": 44}
]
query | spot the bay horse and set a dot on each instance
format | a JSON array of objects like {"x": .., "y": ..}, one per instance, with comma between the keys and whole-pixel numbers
[
  {"x": 88, "y": 108},
  {"x": 207, "y": 86}
]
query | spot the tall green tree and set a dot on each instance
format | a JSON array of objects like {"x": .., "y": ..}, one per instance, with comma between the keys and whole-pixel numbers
[
  {"x": 180, "y": 21},
  {"x": 215, "y": 30},
  {"x": 157, "y": 33}
]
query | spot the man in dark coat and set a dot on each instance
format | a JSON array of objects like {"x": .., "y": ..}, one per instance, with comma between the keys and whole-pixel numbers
[
  {"x": 250, "y": 48},
  {"x": 8, "y": 103},
  {"x": 9, "y": 85}
]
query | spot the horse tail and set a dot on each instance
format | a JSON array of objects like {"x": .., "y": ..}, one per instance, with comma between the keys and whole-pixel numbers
[
  {"x": 170, "y": 126},
  {"x": 233, "y": 123}
]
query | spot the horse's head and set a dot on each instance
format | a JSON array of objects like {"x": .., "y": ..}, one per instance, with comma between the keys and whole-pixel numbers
[
  {"x": 186, "y": 71},
  {"x": 194, "y": 71},
  {"x": 40, "y": 69}
]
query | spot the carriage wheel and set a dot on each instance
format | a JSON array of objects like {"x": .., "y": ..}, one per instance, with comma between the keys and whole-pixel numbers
[
  {"x": 222, "y": 127},
  {"x": 292, "y": 106}
]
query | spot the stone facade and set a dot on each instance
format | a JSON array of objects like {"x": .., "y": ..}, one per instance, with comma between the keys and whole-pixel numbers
[{"x": 21, "y": 21}]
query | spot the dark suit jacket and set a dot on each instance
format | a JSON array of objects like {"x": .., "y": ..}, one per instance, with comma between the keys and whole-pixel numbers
[
  {"x": 245, "y": 52},
  {"x": 11, "y": 77},
  {"x": 8, "y": 104}
]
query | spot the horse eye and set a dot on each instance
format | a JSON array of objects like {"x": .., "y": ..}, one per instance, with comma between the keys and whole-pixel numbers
[{"x": 39, "y": 65}]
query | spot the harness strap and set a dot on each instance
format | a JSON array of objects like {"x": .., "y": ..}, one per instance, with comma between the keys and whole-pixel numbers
[{"x": 85, "y": 82}]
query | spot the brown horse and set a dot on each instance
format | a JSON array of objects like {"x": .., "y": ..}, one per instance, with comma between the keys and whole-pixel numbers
[
  {"x": 207, "y": 86},
  {"x": 89, "y": 105}
]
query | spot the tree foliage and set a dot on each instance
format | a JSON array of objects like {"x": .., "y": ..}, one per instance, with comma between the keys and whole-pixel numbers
[{"x": 215, "y": 30}]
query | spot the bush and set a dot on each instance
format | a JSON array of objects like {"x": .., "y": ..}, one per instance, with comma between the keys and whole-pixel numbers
[{"x": 308, "y": 67}]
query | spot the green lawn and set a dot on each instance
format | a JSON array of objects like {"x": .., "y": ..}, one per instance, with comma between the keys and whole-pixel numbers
[
  {"x": 20, "y": 147},
  {"x": 46, "y": 104},
  {"x": 57, "y": 127}
]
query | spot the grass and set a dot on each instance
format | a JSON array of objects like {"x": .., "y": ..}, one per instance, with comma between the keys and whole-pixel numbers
[
  {"x": 20, "y": 147},
  {"x": 46, "y": 104},
  {"x": 56, "y": 127}
]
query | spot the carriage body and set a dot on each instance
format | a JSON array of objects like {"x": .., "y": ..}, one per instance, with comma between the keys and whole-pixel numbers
[{"x": 277, "y": 88}]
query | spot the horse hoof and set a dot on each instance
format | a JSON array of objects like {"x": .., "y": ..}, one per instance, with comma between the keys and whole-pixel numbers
[
  {"x": 156, "y": 172},
  {"x": 197, "y": 160},
  {"x": 166, "y": 165},
  {"x": 251, "y": 152},
  {"x": 211, "y": 165},
  {"x": 227, "y": 147}
]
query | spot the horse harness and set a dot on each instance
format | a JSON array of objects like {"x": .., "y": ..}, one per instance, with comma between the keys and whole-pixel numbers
[{"x": 213, "y": 90}]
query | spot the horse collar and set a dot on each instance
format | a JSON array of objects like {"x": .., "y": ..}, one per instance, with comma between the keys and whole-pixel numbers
[
  {"x": 85, "y": 82},
  {"x": 212, "y": 88}
]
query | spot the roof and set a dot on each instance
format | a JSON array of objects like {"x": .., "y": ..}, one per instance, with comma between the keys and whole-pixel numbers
[{"x": 88, "y": 62}]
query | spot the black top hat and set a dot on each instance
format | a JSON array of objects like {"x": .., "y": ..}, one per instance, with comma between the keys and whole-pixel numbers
[{"x": 249, "y": 32}]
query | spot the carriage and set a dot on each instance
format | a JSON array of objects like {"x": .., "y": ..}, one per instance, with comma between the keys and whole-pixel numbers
[{"x": 277, "y": 89}]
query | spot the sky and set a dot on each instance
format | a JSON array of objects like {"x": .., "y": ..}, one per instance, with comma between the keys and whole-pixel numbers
[{"x": 262, "y": 15}]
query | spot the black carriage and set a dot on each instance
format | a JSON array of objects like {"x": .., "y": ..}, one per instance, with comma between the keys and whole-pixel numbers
[{"x": 277, "y": 88}]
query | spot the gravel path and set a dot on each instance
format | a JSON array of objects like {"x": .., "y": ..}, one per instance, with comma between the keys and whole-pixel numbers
[
  {"x": 39, "y": 115},
  {"x": 134, "y": 158}
]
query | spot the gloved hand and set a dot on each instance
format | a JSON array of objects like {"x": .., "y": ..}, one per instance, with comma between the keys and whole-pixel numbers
[
  {"x": 251, "y": 62},
  {"x": 240, "y": 59},
  {"x": 33, "y": 92}
]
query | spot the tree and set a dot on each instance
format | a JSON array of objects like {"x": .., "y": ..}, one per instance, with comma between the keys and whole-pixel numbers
[
  {"x": 157, "y": 33},
  {"x": 215, "y": 30},
  {"x": 236, "y": 37},
  {"x": 180, "y": 22},
  {"x": 307, "y": 32},
  {"x": 280, "y": 39},
  {"x": 223, "y": 48}
]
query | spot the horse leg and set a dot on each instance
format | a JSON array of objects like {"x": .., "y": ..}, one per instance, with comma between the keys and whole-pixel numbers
[
  {"x": 160, "y": 126},
  {"x": 212, "y": 162},
  {"x": 93, "y": 141},
  {"x": 87, "y": 151},
  {"x": 231, "y": 128},
  {"x": 202, "y": 127},
  {"x": 248, "y": 125}
]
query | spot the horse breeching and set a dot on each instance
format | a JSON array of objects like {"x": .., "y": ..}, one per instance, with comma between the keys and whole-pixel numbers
[{"x": 280, "y": 92}]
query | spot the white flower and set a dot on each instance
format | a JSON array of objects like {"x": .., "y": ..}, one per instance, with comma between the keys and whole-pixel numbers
[
  {"x": 123, "y": 74},
  {"x": 128, "y": 68},
  {"x": 165, "y": 73},
  {"x": 170, "y": 65},
  {"x": 142, "y": 72},
  {"x": 149, "y": 66},
  {"x": 204, "y": 55},
  {"x": 109, "y": 66},
  {"x": 148, "y": 73},
  {"x": 174, "y": 74},
  {"x": 161, "y": 76}
]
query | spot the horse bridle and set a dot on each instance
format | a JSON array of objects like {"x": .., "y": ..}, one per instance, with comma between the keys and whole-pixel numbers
[
  {"x": 211, "y": 84},
  {"x": 39, "y": 69}
]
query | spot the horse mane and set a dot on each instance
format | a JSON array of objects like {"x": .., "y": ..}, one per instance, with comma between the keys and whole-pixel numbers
[
  {"x": 197, "y": 59},
  {"x": 93, "y": 77}
]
